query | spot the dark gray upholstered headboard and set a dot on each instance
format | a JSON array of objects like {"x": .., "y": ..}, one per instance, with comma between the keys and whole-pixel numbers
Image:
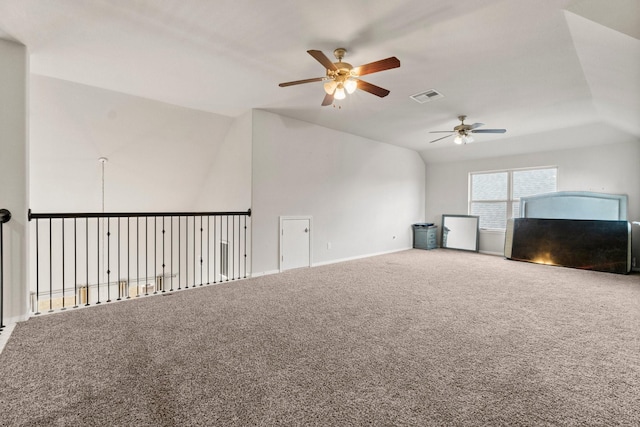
[{"x": 575, "y": 205}]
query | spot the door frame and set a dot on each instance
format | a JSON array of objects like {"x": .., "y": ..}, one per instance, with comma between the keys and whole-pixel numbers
[{"x": 288, "y": 217}]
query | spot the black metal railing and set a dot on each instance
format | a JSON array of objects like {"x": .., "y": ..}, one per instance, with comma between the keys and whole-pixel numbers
[
  {"x": 90, "y": 258},
  {"x": 5, "y": 216}
]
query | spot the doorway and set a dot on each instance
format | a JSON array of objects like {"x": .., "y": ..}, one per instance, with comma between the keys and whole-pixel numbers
[{"x": 295, "y": 242}]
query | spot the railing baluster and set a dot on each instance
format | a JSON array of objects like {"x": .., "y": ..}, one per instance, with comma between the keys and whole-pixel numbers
[
  {"x": 37, "y": 308},
  {"x": 50, "y": 268},
  {"x": 245, "y": 247},
  {"x": 233, "y": 247},
  {"x": 215, "y": 248},
  {"x": 155, "y": 255},
  {"x": 201, "y": 229},
  {"x": 86, "y": 235},
  {"x": 1, "y": 275},
  {"x": 208, "y": 247},
  {"x": 194, "y": 251},
  {"x": 2, "y": 221},
  {"x": 119, "y": 275},
  {"x": 171, "y": 246},
  {"x": 128, "y": 256},
  {"x": 98, "y": 257},
  {"x": 186, "y": 252},
  {"x": 138, "y": 257},
  {"x": 75, "y": 263},
  {"x": 179, "y": 253},
  {"x": 108, "y": 260},
  {"x": 163, "y": 285},
  {"x": 63, "y": 268},
  {"x": 146, "y": 255}
]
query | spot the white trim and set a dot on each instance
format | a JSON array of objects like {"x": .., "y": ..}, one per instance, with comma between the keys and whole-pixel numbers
[
  {"x": 491, "y": 231},
  {"x": 17, "y": 319},
  {"x": 6, "y": 333},
  {"x": 264, "y": 273},
  {"x": 335, "y": 261},
  {"x": 491, "y": 253}
]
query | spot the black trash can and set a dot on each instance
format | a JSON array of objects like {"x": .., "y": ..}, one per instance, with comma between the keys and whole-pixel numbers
[{"x": 424, "y": 236}]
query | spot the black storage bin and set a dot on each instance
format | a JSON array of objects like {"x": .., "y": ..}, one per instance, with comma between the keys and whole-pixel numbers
[{"x": 424, "y": 236}]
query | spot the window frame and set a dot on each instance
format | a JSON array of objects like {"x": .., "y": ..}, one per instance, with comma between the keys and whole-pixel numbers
[{"x": 510, "y": 200}]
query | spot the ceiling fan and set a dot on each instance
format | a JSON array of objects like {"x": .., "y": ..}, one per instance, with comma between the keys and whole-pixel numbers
[
  {"x": 463, "y": 131},
  {"x": 342, "y": 76}
]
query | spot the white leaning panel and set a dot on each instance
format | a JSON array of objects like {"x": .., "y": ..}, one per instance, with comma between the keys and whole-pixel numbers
[{"x": 575, "y": 205}]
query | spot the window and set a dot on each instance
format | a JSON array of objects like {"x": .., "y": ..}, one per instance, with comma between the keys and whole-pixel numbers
[{"x": 495, "y": 196}]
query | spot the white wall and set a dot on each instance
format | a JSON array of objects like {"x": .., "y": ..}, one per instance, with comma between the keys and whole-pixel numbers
[
  {"x": 14, "y": 175},
  {"x": 227, "y": 186},
  {"x": 159, "y": 154},
  {"x": 360, "y": 193},
  {"x": 611, "y": 168}
]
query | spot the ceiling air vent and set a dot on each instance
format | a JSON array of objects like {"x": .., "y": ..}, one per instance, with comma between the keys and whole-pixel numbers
[{"x": 426, "y": 96}]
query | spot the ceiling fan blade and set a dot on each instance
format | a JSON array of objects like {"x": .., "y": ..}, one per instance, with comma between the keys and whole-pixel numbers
[
  {"x": 441, "y": 138},
  {"x": 299, "y": 82},
  {"x": 374, "y": 67},
  {"x": 489, "y": 131},
  {"x": 441, "y": 131},
  {"x": 322, "y": 58},
  {"x": 371, "y": 88},
  {"x": 328, "y": 100},
  {"x": 475, "y": 125}
]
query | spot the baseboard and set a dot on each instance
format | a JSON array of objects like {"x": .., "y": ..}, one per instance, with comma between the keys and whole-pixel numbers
[
  {"x": 335, "y": 261},
  {"x": 492, "y": 253},
  {"x": 16, "y": 319},
  {"x": 264, "y": 273},
  {"x": 5, "y": 334}
]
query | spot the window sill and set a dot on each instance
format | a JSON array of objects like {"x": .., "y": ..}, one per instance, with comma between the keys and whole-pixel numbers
[{"x": 492, "y": 231}]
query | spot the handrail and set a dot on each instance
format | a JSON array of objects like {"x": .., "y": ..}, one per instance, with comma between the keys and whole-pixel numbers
[
  {"x": 5, "y": 216},
  {"x": 32, "y": 215}
]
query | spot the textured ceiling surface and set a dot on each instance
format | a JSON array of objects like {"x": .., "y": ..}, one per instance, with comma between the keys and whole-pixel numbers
[{"x": 528, "y": 66}]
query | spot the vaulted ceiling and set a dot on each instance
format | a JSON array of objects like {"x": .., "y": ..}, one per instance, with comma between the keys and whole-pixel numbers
[{"x": 530, "y": 66}]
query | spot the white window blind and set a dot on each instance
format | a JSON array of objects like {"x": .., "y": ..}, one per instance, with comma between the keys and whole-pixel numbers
[{"x": 495, "y": 196}]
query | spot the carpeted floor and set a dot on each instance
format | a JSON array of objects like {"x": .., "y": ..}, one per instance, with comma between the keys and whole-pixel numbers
[{"x": 415, "y": 338}]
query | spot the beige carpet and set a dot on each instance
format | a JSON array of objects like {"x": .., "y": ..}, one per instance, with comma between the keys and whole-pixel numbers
[{"x": 415, "y": 338}]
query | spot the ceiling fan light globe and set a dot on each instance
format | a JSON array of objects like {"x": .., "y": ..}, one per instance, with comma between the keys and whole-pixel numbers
[
  {"x": 330, "y": 87},
  {"x": 339, "y": 93},
  {"x": 458, "y": 140},
  {"x": 351, "y": 86},
  {"x": 469, "y": 139}
]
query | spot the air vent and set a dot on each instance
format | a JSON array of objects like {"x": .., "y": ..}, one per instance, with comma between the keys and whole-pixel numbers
[{"x": 426, "y": 96}]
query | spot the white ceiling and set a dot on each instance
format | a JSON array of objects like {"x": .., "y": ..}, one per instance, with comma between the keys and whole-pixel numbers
[{"x": 529, "y": 66}]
